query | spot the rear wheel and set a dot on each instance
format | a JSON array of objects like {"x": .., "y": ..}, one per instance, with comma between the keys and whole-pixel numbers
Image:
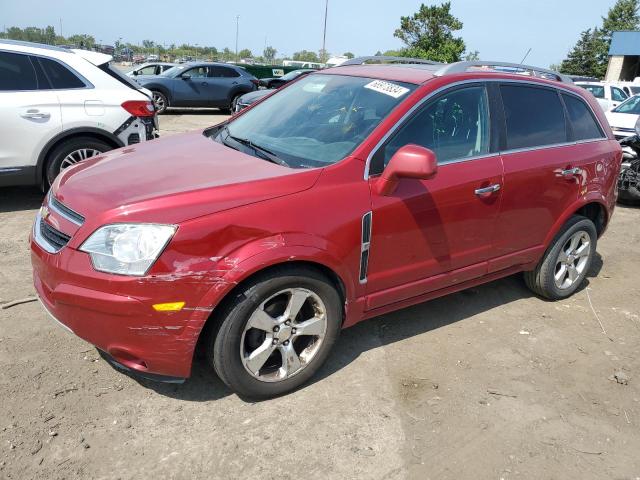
[
  {"x": 73, "y": 151},
  {"x": 159, "y": 101},
  {"x": 567, "y": 261},
  {"x": 276, "y": 332}
]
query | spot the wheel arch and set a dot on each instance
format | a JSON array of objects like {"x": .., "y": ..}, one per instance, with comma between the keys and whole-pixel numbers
[
  {"x": 593, "y": 207},
  {"x": 92, "y": 132}
]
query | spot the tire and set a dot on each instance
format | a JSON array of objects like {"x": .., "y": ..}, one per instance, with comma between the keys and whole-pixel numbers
[
  {"x": 250, "y": 359},
  {"x": 72, "y": 151},
  {"x": 566, "y": 262},
  {"x": 234, "y": 102},
  {"x": 160, "y": 101}
]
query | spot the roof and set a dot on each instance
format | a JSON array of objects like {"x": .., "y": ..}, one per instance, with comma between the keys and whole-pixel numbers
[
  {"x": 409, "y": 73},
  {"x": 20, "y": 43},
  {"x": 625, "y": 43}
]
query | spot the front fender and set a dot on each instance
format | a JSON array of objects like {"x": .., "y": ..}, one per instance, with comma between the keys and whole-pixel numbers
[{"x": 279, "y": 249}]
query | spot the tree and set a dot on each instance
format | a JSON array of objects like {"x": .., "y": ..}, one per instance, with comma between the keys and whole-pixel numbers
[
  {"x": 429, "y": 34},
  {"x": 348, "y": 55},
  {"x": 269, "y": 54},
  {"x": 245, "y": 53},
  {"x": 306, "y": 56},
  {"x": 472, "y": 56},
  {"x": 583, "y": 59},
  {"x": 148, "y": 44}
]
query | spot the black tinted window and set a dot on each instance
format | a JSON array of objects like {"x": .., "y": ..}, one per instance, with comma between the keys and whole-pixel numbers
[
  {"x": 59, "y": 75},
  {"x": 582, "y": 121},
  {"x": 454, "y": 125},
  {"x": 16, "y": 72},
  {"x": 534, "y": 116},
  {"x": 223, "y": 72}
]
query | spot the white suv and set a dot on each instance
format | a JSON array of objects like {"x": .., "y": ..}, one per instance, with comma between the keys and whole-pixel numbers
[
  {"x": 60, "y": 106},
  {"x": 609, "y": 96}
]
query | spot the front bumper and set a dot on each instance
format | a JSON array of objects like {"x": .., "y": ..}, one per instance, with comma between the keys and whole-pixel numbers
[{"x": 115, "y": 313}]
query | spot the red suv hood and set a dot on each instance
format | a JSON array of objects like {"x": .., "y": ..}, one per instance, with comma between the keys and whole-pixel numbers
[{"x": 173, "y": 179}]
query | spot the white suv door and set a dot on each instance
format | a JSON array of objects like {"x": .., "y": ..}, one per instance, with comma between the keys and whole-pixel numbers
[{"x": 29, "y": 117}]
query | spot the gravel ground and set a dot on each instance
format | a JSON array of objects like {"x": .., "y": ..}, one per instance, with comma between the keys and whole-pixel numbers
[{"x": 488, "y": 383}]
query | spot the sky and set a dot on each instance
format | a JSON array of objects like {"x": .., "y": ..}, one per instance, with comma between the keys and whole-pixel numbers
[{"x": 501, "y": 30}]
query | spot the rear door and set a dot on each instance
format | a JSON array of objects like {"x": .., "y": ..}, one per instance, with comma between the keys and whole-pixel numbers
[
  {"x": 222, "y": 80},
  {"x": 430, "y": 234},
  {"x": 29, "y": 112},
  {"x": 542, "y": 168}
]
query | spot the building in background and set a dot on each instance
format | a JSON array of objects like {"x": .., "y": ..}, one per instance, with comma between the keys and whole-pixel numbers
[{"x": 624, "y": 57}]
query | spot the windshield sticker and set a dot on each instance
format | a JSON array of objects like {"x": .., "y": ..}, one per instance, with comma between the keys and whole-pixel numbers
[
  {"x": 388, "y": 88},
  {"x": 315, "y": 87}
]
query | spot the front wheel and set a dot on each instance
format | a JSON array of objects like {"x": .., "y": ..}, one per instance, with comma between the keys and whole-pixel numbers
[
  {"x": 276, "y": 332},
  {"x": 567, "y": 261},
  {"x": 159, "y": 102}
]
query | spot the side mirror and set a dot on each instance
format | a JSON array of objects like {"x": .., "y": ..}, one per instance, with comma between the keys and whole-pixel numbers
[
  {"x": 136, "y": 73},
  {"x": 186, "y": 77},
  {"x": 410, "y": 161}
]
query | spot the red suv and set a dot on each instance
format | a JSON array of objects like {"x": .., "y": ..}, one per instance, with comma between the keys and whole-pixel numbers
[{"x": 349, "y": 193}]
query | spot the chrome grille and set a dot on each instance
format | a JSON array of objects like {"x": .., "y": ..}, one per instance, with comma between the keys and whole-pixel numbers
[
  {"x": 64, "y": 211},
  {"x": 54, "y": 237}
]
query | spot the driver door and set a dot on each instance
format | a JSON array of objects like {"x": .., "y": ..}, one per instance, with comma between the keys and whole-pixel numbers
[
  {"x": 190, "y": 88},
  {"x": 431, "y": 234}
]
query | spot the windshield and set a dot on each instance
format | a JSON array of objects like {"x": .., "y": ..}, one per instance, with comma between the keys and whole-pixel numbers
[
  {"x": 596, "y": 90},
  {"x": 632, "y": 105},
  {"x": 173, "y": 71},
  {"x": 320, "y": 119},
  {"x": 634, "y": 90}
]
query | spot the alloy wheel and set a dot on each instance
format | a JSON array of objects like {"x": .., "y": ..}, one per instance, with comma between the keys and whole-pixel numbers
[
  {"x": 158, "y": 102},
  {"x": 78, "y": 156},
  {"x": 283, "y": 334},
  {"x": 572, "y": 260}
]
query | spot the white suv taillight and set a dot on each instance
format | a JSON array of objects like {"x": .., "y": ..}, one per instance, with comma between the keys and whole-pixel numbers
[{"x": 139, "y": 108}]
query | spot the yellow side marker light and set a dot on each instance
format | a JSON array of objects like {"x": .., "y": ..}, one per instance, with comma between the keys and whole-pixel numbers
[{"x": 168, "y": 307}]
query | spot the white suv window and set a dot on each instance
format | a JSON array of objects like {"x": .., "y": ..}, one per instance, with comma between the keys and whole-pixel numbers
[
  {"x": 17, "y": 72},
  {"x": 60, "y": 77}
]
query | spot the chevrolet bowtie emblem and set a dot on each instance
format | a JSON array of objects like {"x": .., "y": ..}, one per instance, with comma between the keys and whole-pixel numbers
[{"x": 44, "y": 212}]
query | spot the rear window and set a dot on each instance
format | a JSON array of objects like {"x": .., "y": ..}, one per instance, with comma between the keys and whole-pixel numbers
[
  {"x": 584, "y": 125},
  {"x": 59, "y": 75},
  {"x": 534, "y": 117},
  {"x": 16, "y": 72},
  {"x": 222, "y": 72},
  {"x": 596, "y": 90},
  {"x": 115, "y": 73}
]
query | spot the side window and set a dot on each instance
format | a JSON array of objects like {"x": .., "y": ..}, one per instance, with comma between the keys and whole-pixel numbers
[
  {"x": 584, "y": 125},
  {"x": 16, "y": 72},
  {"x": 455, "y": 126},
  {"x": 618, "y": 95},
  {"x": 534, "y": 116},
  {"x": 596, "y": 90},
  {"x": 59, "y": 75},
  {"x": 197, "y": 72},
  {"x": 222, "y": 72},
  {"x": 150, "y": 70}
]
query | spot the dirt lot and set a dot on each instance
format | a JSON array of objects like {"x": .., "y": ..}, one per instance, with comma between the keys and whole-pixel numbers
[{"x": 489, "y": 383}]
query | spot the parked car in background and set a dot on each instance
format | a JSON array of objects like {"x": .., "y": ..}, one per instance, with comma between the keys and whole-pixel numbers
[
  {"x": 624, "y": 117},
  {"x": 59, "y": 107},
  {"x": 630, "y": 88},
  {"x": 277, "y": 82},
  {"x": 199, "y": 85},
  {"x": 608, "y": 95},
  {"x": 250, "y": 98},
  {"x": 150, "y": 69},
  {"x": 350, "y": 193}
]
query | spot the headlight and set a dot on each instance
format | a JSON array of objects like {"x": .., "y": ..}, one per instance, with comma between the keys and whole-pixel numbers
[{"x": 126, "y": 248}]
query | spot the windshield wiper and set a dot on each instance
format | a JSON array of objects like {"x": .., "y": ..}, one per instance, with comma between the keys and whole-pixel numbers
[{"x": 264, "y": 153}]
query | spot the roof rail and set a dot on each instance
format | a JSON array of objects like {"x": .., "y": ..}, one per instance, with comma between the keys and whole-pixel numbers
[
  {"x": 385, "y": 59},
  {"x": 460, "y": 67}
]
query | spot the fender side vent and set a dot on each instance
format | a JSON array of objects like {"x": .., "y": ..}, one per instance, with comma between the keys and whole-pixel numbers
[{"x": 364, "y": 246}]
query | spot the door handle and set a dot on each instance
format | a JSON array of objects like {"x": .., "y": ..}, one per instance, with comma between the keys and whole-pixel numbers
[
  {"x": 490, "y": 189},
  {"x": 36, "y": 114},
  {"x": 570, "y": 172}
]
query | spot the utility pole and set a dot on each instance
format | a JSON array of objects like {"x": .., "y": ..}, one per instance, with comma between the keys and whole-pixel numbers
[
  {"x": 324, "y": 34},
  {"x": 237, "y": 29},
  {"x": 61, "y": 28}
]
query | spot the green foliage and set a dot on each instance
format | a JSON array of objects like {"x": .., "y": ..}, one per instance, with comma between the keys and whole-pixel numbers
[
  {"x": 428, "y": 33},
  {"x": 590, "y": 55},
  {"x": 471, "y": 56},
  {"x": 306, "y": 56},
  {"x": 583, "y": 58},
  {"x": 348, "y": 55},
  {"x": 269, "y": 54},
  {"x": 245, "y": 53}
]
